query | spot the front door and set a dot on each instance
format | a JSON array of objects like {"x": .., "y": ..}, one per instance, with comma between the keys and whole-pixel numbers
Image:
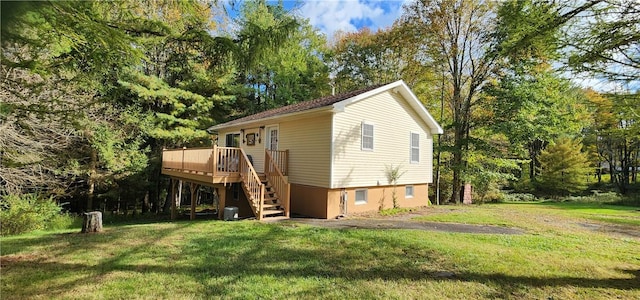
[{"x": 272, "y": 138}]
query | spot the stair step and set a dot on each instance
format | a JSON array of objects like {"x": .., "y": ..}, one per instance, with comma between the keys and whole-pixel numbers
[
  {"x": 270, "y": 205},
  {"x": 270, "y": 198},
  {"x": 275, "y": 219},
  {"x": 268, "y": 212}
]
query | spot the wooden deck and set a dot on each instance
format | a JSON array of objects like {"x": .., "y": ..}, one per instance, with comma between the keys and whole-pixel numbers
[
  {"x": 226, "y": 165},
  {"x": 203, "y": 165}
]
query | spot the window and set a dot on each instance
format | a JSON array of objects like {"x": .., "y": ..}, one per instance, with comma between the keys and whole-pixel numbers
[
  {"x": 361, "y": 196},
  {"x": 367, "y": 136},
  {"x": 408, "y": 191},
  {"x": 232, "y": 140},
  {"x": 415, "y": 148}
]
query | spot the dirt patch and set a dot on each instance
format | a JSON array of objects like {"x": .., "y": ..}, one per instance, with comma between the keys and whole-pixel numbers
[
  {"x": 12, "y": 259},
  {"x": 406, "y": 224},
  {"x": 618, "y": 230},
  {"x": 403, "y": 221}
]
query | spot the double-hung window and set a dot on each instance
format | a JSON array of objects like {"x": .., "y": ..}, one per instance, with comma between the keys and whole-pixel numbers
[
  {"x": 367, "y": 136},
  {"x": 415, "y": 148}
]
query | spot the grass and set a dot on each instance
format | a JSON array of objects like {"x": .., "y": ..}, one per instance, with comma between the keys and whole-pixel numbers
[
  {"x": 519, "y": 214},
  {"x": 556, "y": 258}
]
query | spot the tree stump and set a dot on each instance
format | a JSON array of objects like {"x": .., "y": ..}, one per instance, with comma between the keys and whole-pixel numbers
[{"x": 92, "y": 222}]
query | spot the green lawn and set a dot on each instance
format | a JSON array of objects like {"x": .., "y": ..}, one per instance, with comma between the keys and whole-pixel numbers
[{"x": 558, "y": 257}]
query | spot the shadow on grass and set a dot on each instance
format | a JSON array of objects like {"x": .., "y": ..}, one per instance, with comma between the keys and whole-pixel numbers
[{"x": 228, "y": 260}]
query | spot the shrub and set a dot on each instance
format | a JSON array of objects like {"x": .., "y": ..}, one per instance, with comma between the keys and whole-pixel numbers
[
  {"x": 519, "y": 197},
  {"x": 63, "y": 221},
  {"x": 24, "y": 213},
  {"x": 597, "y": 197},
  {"x": 564, "y": 168}
]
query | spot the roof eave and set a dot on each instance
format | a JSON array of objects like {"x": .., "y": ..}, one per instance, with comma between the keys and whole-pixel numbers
[{"x": 223, "y": 125}]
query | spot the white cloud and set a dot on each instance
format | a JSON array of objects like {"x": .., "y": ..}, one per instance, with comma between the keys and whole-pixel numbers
[{"x": 330, "y": 16}]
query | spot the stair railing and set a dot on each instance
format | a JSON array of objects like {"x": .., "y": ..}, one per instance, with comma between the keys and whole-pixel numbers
[
  {"x": 278, "y": 182},
  {"x": 253, "y": 187}
]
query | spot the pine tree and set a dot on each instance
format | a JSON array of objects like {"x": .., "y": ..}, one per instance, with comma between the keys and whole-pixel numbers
[{"x": 564, "y": 168}]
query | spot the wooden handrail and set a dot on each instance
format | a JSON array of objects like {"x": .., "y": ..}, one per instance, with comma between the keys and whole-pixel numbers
[
  {"x": 279, "y": 183},
  {"x": 253, "y": 186},
  {"x": 220, "y": 161},
  {"x": 281, "y": 159}
]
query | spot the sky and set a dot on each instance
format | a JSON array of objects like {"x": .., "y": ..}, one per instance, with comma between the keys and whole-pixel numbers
[{"x": 330, "y": 16}]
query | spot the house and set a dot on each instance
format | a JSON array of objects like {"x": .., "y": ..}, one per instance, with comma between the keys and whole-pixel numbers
[{"x": 319, "y": 158}]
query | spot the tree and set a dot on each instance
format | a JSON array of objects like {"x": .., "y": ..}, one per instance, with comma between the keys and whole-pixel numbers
[
  {"x": 615, "y": 134},
  {"x": 365, "y": 58},
  {"x": 96, "y": 54},
  {"x": 454, "y": 37},
  {"x": 604, "y": 40},
  {"x": 533, "y": 106},
  {"x": 564, "y": 168},
  {"x": 279, "y": 58},
  {"x": 489, "y": 172},
  {"x": 600, "y": 36}
]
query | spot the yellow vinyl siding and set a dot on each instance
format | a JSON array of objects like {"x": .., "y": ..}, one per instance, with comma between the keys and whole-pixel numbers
[
  {"x": 256, "y": 151},
  {"x": 393, "y": 121},
  {"x": 309, "y": 143}
]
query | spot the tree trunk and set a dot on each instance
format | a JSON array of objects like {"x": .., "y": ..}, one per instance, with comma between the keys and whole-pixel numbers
[
  {"x": 458, "y": 164},
  {"x": 92, "y": 222},
  {"x": 145, "y": 203},
  {"x": 168, "y": 198},
  {"x": 92, "y": 180}
]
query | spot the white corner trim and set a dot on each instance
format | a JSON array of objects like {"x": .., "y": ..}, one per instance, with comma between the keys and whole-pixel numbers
[{"x": 331, "y": 150}]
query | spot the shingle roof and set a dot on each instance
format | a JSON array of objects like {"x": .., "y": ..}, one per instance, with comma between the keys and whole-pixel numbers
[{"x": 298, "y": 107}]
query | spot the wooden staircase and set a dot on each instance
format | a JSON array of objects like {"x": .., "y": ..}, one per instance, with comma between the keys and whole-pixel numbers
[
  {"x": 268, "y": 193},
  {"x": 271, "y": 206}
]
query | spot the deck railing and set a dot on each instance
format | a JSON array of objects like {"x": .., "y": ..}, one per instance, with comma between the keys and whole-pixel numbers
[
  {"x": 193, "y": 160},
  {"x": 280, "y": 185},
  {"x": 281, "y": 159},
  {"x": 254, "y": 188},
  {"x": 227, "y": 160},
  {"x": 207, "y": 161}
]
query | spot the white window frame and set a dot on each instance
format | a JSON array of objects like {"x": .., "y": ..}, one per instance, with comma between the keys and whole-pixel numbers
[
  {"x": 412, "y": 147},
  {"x": 406, "y": 189},
  {"x": 267, "y": 134},
  {"x": 361, "y": 201},
  {"x": 362, "y": 136}
]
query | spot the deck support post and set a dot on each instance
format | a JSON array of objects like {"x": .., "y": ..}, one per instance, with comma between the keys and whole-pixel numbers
[
  {"x": 222, "y": 197},
  {"x": 192, "y": 188},
  {"x": 173, "y": 199}
]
